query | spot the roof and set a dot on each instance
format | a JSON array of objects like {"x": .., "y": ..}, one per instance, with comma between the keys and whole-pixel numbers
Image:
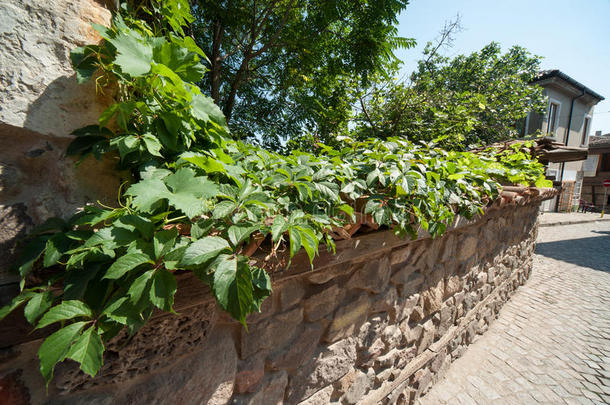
[
  {"x": 600, "y": 141},
  {"x": 548, "y": 74}
]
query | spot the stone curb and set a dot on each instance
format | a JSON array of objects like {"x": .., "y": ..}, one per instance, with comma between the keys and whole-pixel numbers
[{"x": 574, "y": 222}]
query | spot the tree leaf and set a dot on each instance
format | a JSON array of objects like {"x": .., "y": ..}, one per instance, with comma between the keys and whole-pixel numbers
[
  {"x": 55, "y": 348},
  {"x": 125, "y": 263},
  {"x": 163, "y": 289},
  {"x": 203, "y": 250},
  {"x": 15, "y": 303},
  {"x": 139, "y": 286},
  {"x": 278, "y": 227},
  {"x": 134, "y": 55},
  {"x": 240, "y": 232},
  {"x": 163, "y": 241},
  {"x": 88, "y": 350},
  {"x": 64, "y": 311},
  {"x": 233, "y": 287},
  {"x": 39, "y": 303}
]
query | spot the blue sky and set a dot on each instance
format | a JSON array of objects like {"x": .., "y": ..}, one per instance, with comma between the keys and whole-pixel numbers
[{"x": 573, "y": 36}]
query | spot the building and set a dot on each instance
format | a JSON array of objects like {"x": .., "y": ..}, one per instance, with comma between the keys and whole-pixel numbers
[
  {"x": 567, "y": 119},
  {"x": 596, "y": 169}
]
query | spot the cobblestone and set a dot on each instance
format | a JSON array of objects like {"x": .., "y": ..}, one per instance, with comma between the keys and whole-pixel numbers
[{"x": 551, "y": 342}]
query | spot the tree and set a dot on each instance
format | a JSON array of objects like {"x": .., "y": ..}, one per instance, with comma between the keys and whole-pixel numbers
[
  {"x": 468, "y": 100},
  {"x": 281, "y": 67}
]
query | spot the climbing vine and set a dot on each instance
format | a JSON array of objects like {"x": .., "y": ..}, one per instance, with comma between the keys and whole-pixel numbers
[{"x": 198, "y": 199}]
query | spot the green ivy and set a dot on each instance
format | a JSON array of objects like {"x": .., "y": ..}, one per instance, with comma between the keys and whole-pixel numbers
[{"x": 198, "y": 198}]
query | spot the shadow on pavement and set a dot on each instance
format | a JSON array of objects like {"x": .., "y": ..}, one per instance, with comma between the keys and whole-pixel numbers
[{"x": 591, "y": 252}]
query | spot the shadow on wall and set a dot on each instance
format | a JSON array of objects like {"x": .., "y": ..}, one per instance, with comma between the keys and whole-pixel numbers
[
  {"x": 64, "y": 106},
  {"x": 593, "y": 252}
]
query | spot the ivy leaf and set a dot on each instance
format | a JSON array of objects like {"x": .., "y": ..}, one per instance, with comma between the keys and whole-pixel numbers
[
  {"x": 152, "y": 144},
  {"x": 204, "y": 109},
  {"x": 233, "y": 287},
  {"x": 66, "y": 310},
  {"x": 163, "y": 289},
  {"x": 146, "y": 193},
  {"x": 15, "y": 303},
  {"x": 203, "y": 250},
  {"x": 139, "y": 285},
  {"x": 84, "y": 62},
  {"x": 55, "y": 249},
  {"x": 88, "y": 350},
  {"x": 261, "y": 283},
  {"x": 125, "y": 263},
  {"x": 55, "y": 348},
  {"x": 309, "y": 241},
  {"x": 207, "y": 163},
  {"x": 164, "y": 241},
  {"x": 240, "y": 232},
  {"x": 37, "y": 305},
  {"x": 31, "y": 253},
  {"x": 295, "y": 240},
  {"x": 223, "y": 209},
  {"x": 134, "y": 55},
  {"x": 278, "y": 227}
]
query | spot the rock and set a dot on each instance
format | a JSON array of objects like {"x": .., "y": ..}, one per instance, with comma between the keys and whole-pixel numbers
[
  {"x": 319, "y": 305},
  {"x": 372, "y": 276},
  {"x": 203, "y": 377},
  {"x": 298, "y": 351},
  {"x": 249, "y": 373},
  {"x": 325, "y": 275},
  {"x": 273, "y": 333},
  {"x": 353, "y": 386},
  {"x": 433, "y": 297},
  {"x": 429, "y": 331},
  {"x": 328, "y": 365},
  {"x": 412, "y": 334},
  {"x": 321, "y": 397},
  {"x": 423, "y": 380},
  {"x": 274, "y": 387},
  {"x": 481, "y": 279},
  {"x": 400, "y": 255},
  {"x": 453, "y": 285},
  {"x": 412, "y": 285},
  {"x": 447, "y": 317},
  {"x": 348, "y": 318},
  {"x": 405, "y": 306},
  {"x": 392, "y": 336},
  {"x": 467, "y": 248},
  {"x": 12, "y": 389},
  {"x": 449, "y": 246},
  {"x": 290, "y": 293},
  {"x": 386, "y": 302},
  {"x": 401, "y": 276}
]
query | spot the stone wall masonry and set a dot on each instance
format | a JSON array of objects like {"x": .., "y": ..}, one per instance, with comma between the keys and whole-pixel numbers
[
  {"x": 373, "y": 326},
  {"x": 41, "y": 103}
]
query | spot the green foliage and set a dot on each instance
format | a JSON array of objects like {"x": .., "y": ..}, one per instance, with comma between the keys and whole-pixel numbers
[
  {"x": 198, "y": 198},
  {"x": 279, "y": 68},
  {"x": 465, "y": 101}
]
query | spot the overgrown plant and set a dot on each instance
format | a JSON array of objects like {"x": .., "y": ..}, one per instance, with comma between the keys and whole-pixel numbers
[{"x": 197, "y": 197}]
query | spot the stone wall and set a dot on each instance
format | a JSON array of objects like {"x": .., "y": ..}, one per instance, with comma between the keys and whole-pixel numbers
[
  {"x": 40, "y": 104},
  {"x": 380, "y": 322}
]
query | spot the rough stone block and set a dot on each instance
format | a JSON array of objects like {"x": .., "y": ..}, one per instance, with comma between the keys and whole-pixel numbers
[
  {"x": 298, "y": 351},
  {"x": 353, "y": 386},
  {"x": 250, "y": 372},
  {"x": 433, "y": 297},
  {"x": 429, "y": 331},
  {"x": 273, "y": 333},
  {"x": 372, "y": 276},
  {"x": 291, "y": 293},
  {"x": 467, "y": 248},
  {"x": 319, "y": 305},
  {"x": 348, "y": 318}
]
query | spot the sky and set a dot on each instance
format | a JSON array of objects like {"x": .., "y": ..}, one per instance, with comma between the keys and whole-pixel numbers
[{"x": 572, "y": 36}]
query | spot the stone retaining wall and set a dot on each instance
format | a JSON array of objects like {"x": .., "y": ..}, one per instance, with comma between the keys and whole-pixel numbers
[{"x": 376, "y": 325}]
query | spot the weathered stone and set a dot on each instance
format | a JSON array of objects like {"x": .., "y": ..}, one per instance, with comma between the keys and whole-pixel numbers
[
  {"x": 392, "y": 336},
  {"x": 405, "y": 306},
  {"x": 386, "y": 302},
  {"x": 429, "y": 331},
  {"x": 249, "y": 373},
  {"x": 328, "y": 365},
  {"x": 273, "y": 333},
  {"x": 423, "y": 380},
  {"x": 321, "y": 397},
  {"x": 12, "y": 389},
  {"x": 467, "y": 248},
  {"x": 274, "y": 387},
  {"x": 401, "y": 276},
  {"x": 412, "y": 334},
  {"x": 400, "y": 255},
  {"x": 412, "y": 285},
  {"x": 325, "y": 275},
  {"x": 370, "y": 331},
  {"x": 449, "y": 246},
  {"x": 290, "y": 293},
  {"x": 348, "y": 318},
  {"x": 433, "y": 297},
  {"x": 417, "y": 314},
  {"x": 319, "y": 305},
  {"x": 299, "y": 351},
  {"x": 362, "y": 383},
  {"x": 204, "y": 377},
  {"x": 453, "y": 285},
  {"x": 372, "y": 276},
  {"x": 447, "y": 317},
  {"x": 481, "y": 279}
]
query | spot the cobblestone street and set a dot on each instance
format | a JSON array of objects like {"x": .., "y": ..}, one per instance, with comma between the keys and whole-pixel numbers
[{"x": 551, "y": 342}]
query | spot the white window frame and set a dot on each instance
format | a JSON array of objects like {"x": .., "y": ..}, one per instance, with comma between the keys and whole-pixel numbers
[
  {"x": 584, "y": 135},
  {"x": 553, "y": 132}
]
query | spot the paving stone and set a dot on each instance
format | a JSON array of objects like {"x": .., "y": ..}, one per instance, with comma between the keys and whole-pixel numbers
[{"x": 551, "y": 341}]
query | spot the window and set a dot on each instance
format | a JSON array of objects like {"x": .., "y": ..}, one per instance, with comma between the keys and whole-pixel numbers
[
  {"x": 605, "y": 167},
  {"x": 552, "y": 118},
  {"x": 585, "y": 131}
]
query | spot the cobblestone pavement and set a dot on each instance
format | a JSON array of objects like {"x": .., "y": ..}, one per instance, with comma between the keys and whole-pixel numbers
[{"x": 551, "y": 342}]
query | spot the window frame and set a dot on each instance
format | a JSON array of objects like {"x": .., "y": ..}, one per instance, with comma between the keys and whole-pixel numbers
[
  {"x": 552, "y": 133},
  {"x": 586, "y": 127}
]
